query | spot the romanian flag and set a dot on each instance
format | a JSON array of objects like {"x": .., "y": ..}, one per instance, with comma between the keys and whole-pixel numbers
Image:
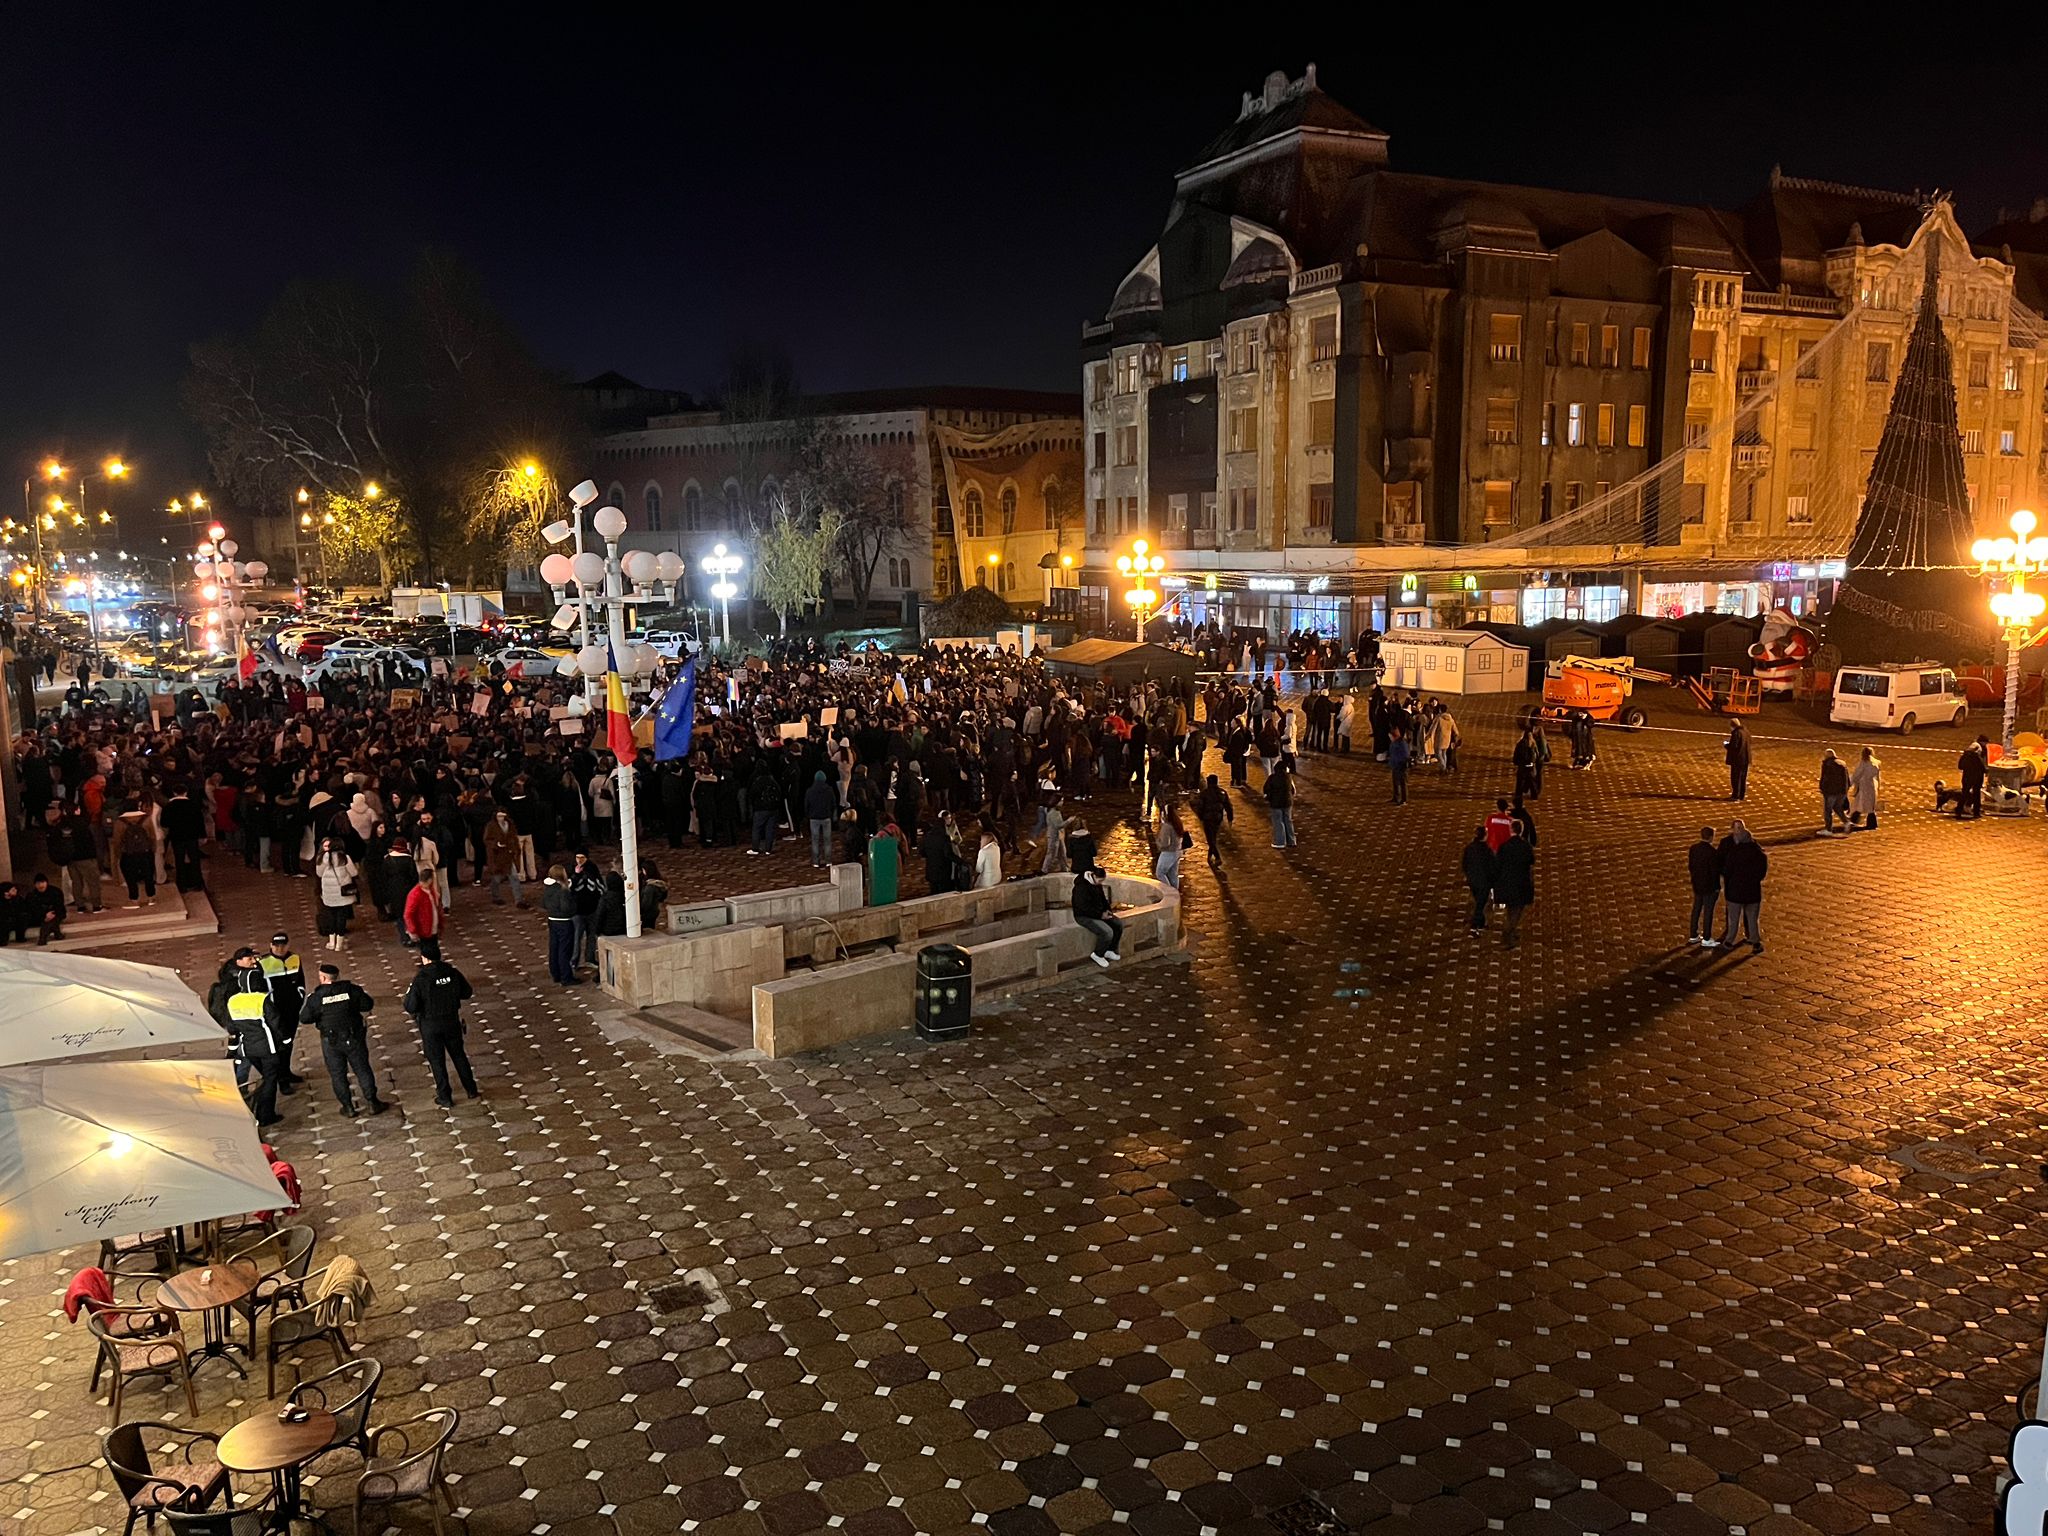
[{"x": 618, "y": 711}]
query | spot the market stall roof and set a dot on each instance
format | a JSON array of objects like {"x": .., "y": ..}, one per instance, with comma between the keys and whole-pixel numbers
[
  {"x": 1122, "y": 660},
  {"x": 62, "y": 1007},
  {"x": 98, "y": 1149}
]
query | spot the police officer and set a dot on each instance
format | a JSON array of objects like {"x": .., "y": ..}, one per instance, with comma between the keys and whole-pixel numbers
[
  {"x": 435, "y": 1001},
  {"x": 285, "y": 975},
  {"x": 255, "y": 1036},
  {"x": 336, "y": 1008}
]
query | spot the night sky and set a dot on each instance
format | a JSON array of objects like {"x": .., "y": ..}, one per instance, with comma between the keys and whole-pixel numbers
[{"x": 915, "y": 201}]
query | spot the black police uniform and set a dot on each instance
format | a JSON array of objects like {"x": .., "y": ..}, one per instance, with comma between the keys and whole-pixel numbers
[
  {"x": 336, "y": 1009},
  {"x": 435, "y": 1001}
]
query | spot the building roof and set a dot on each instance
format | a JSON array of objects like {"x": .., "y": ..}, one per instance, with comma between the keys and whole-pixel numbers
[
  {"x": 1098, "y": 653},
  {"x": 1282, "y": 108},
  {"x": 946, "y": 397},
  {"x": 611, "y": 379},
  {"x": 1461, "y": 638}
]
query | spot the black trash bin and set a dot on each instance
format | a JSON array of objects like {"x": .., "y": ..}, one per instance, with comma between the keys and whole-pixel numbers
[{"x": 945, "y": 991}]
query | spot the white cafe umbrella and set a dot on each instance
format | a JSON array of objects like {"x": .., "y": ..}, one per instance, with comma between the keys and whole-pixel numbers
[
  {"x": 98, "y": 1149},
  {"x": 59, "y": 1007}
]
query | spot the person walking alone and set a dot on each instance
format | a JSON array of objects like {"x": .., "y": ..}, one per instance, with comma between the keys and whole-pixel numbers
[
  {"x": 1703, "y": 866},
  {"x": 1743, "y": 867},
  {"x": 435, "y": 1001},
  {"x": 1736, "y": 749},
  {"x": 558, "y": 901},
  {"x": 1280, "y": 798},
  {"x": 1478, "y": 864},
  {"x": 1212, "y": 810},
  {"x": 339, "y": 1009},
  {"x": 1398, "y": 754},
  {"x": 337, "y": 872}
]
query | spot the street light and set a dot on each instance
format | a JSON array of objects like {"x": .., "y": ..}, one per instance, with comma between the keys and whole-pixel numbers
[
  {"x": 1139, "y": 567},
  {"x": 724, "y": 567},
  {"x": 2015, "y": 559}
]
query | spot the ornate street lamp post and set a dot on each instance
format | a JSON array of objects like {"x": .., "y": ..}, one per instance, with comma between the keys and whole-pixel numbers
[
  {"x": 1141, "y": 567},
  {"x": 2015, "y": 559}
]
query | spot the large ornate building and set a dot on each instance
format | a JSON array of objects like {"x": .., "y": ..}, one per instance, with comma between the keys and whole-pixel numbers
[
  {"x": 990, "y": 481},
  {"x": 1348, "y": 396}
]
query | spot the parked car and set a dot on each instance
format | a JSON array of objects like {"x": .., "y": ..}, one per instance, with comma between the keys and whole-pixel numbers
[
  {"x": 1898, "y": 696},
  {"x": 530, "y": 660},
  {"x": 672, "y": 643}
]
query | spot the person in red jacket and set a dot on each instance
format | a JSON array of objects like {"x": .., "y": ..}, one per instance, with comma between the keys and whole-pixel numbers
[{"x": 421, "y": 918}]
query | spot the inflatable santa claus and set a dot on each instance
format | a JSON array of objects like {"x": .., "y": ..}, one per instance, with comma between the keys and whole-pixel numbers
[{"x": 1784, "y": 648}]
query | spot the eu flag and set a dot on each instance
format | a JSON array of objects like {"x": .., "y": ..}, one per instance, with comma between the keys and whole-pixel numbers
[{"x": 675, "y": 719}]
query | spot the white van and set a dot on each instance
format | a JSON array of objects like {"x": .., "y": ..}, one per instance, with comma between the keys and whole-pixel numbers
[{"x": 1898, "y": 696}]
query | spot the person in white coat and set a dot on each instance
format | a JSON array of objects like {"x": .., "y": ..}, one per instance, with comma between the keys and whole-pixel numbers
[{"x": 1863, "y": 787}]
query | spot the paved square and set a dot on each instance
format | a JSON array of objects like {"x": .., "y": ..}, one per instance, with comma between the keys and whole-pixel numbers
[{"x": 1346, "y": 1214}]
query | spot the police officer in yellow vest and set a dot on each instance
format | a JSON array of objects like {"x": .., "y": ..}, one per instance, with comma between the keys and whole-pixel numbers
[
  {"x": 285, "y": 977},
  {"x": 255, "y": 1038}
]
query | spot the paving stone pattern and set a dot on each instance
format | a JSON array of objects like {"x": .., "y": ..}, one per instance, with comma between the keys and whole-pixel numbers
[{"x": 1347, "y": 1221}]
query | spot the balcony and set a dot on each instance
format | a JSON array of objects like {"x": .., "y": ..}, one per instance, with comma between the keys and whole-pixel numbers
[
  {"x": 1751, "y": 381},
  {"x": 1761, "y": 302},
  {"x": 1402, "y": 533},
  {"x": 1326, "y": 276},
  {"x": 1752, "y": 455}
]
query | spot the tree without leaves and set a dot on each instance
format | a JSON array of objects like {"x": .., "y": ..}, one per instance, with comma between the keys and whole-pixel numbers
[{"x": 869, "y": 486}]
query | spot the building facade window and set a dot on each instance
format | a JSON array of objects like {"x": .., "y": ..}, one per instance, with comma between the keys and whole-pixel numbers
[
  {"x": 1581, "y": 344},
  {"x": 652, "y": 496},
  {"x": 1877, "y": 362},
  {"x": 1497, "y": 500},
  {"x": 896, "y": 503},
  {"x": 735, "y": 505},
  {"x": 1244, "y": 349},
  {"x": 1244, "y": 430},
  {"x": 1503, "y": 419},
  {"x": 1574, "y": 494},
  {"x": 1127, "y": 373},
  {"x": 1603, "y": 426},
  {"x": 1205, "y": 512},
  {"x": 1322, "y": 423},
  {"x": 1973, "y": 439},
  {"x": 616, "y": 496},
  {"x": 973, "y": 518},
  {"x": 693, "y": 507},
  {"x": 1126, "y": 446},
  {"x": 1549, "y": 422},
  {"x": 1575, "y": 425},
  {"x": 1322, "y": 506},
  {"x": 1639, "y": 347},
  {"x": 2008, "y": 442},
  {"x": 1322, "y": 338},
  {"x": 1007, "y": 501},
  {"x": 1177, "y": 369},
  {"x": 1504, "y": 338},
  {"x": 1980, "y": 370},
  {"x": 2011, "y": 379},
  {"x": 1638, "y": 425},
  {"x": 1244, "y": 508},
  {"x": 1610, "y": 346},
  {"x": 1705, "y": 349}
]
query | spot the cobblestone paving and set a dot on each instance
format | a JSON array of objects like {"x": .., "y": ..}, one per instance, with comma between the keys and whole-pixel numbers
[{"x": 1349, "y": 1217}]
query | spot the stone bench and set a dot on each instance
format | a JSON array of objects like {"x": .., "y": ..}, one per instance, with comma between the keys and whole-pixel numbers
[{"x": 875, "y": 995}]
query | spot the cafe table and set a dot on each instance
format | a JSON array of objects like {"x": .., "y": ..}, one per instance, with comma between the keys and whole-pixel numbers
[
  {"x": 267, "y": 1444},
  {"x": 210, "y": 1291}
]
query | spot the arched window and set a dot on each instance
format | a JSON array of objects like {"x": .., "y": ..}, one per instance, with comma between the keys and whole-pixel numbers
[
  {"x": 653, "y": 496},
  {"x": 693, "y": 506},
  {"x": 1050, "y": 494},
  {"x": 616, "y": 496},
  {"x": 771, "y": 493},
  {"x": 972, "y": 510},
  {"x": 895, "y": 494},
  {"x": 735, "y": 505},
  {"x": 1008, "y": 502},
  {"x": 1010, "y": 577},
  {"x": 981, "y": 575}
]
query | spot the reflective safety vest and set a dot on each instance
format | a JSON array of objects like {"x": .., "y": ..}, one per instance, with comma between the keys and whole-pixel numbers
[{"x": 244, "y": 1006}]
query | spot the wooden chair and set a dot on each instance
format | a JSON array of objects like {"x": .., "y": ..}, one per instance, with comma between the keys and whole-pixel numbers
[
  {"x": 297, "y": 1322},
  {"x": 405, "y": 1466},
  {"x": 191, "y": 1482},
  {"x": 347, "y": 1392},
  {"x": 282, "y": 1258},
  {"x": 230, "y": 1520},
  {"x": 160, "y": 1248},
  {"x": 141, "y": 1341}
]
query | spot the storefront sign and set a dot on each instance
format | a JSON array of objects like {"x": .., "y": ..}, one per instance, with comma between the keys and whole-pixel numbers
[
  {"x": 1410, "y": 582},
  {"x": 1270, "y": 583},
  {"x": 1833, "y": 570},
  {"x": 1319, "y": 583},
  {"x": 1174, "y": 583}
]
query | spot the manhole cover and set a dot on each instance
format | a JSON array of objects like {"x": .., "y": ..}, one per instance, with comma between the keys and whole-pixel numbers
[
  {"x": 1307, "y": 1517},
  {"x": 1956, "y": 1160},
  {"x": 678, "y": 1297}
]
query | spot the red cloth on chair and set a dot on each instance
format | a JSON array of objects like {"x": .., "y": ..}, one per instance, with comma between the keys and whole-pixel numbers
[
  {"x": 288, "y": 1177},
  {"x": 88, "y": 1285}
]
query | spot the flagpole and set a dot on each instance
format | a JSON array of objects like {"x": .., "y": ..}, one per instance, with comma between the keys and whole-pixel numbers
[{"x": 628, "y": 773}]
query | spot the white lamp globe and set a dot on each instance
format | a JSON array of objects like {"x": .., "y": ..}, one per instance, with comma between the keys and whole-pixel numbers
[
  {"x": 257, "y": 569},
  {"x": 639, "y": 566},
  {"x": 668, "y": 566},
  {"x": 590, "y": 660},
  {"x": 645, "y": 660},
  {"x": 228, "y": 546},
  {"x": 557, "y": 570},
  {"x": 588, "y": 568},
  {"x": 609, "y": 522}
]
